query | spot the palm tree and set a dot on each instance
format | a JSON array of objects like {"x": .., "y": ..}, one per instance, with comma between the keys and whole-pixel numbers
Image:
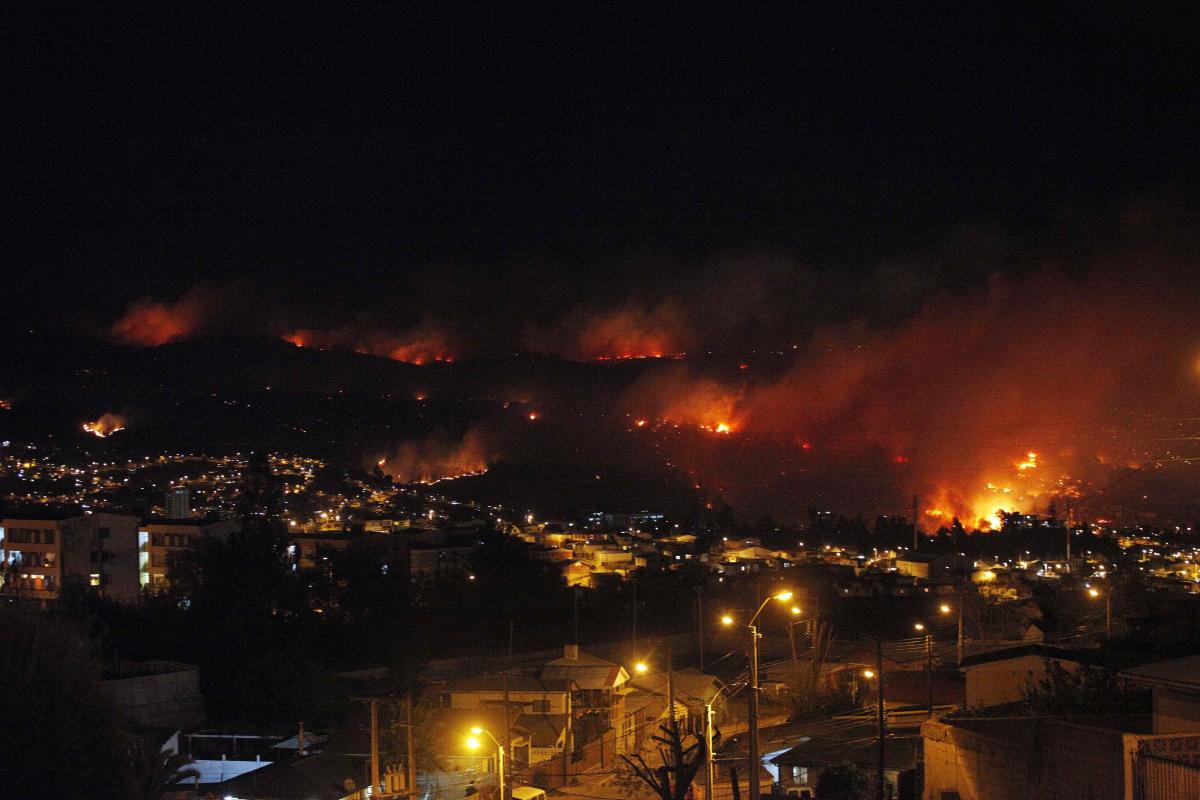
[{"x": 155, "y": 771}]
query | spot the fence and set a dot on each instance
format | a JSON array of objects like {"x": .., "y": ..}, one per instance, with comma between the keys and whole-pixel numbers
[{"x": 1160, "y": 777}]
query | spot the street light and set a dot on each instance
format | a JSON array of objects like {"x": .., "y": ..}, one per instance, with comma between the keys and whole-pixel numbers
[
  {"x": 1094, "y": 593},
  {"x": 920, "y": 627},
  {"x": 474, "y": 743},
  {"x": 754, "y": 766}
]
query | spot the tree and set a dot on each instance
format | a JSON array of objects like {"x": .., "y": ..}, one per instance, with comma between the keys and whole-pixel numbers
[
  {"x": 679, "y": 762},
  {"x": 1088, "y": 690},
  {"x": 844, "y": 781},
  {"x": 59, "y": 735},
  {"x": 156, "y": 771}
]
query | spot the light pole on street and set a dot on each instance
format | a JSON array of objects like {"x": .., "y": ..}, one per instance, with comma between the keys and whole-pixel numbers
[
  {"x": 1094, "y": 593},
  {"x": 920, "y": 628},
  {"x": 754, "y": 765},
  {"x": 958, "y": 640},
  {"x": 474, "y": 744}
]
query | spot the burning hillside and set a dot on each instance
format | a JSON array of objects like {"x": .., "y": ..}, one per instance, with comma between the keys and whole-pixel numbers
[
  {"x": 106, "y": 425},
  {"x": 420, "y": 345},
  {"x": 1002, "y": 400},
  {"x": 438, "y": 458}
]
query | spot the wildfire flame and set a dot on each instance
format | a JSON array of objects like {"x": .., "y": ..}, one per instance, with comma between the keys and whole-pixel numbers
[
  {"x": 437, "y": 459},
  {"x": 106, "y": 425},
  {"x": 420, "y": 345}
]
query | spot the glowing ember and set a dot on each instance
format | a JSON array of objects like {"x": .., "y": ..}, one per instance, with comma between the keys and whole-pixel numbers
[
  {"x": 1029, "y": 463},
  {"x": 107, "y": 425}
]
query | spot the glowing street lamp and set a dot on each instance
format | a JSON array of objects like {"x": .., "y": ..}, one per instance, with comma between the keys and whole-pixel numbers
[
  {"x": 1095, "y": 593},
  {"x": 920, "y": 627},
  {"x": 474, "y": 743},
  {"x": 755, "y": 766}
]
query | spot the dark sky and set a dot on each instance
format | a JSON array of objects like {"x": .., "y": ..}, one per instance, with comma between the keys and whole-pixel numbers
[{"x": 398, "y": 155}]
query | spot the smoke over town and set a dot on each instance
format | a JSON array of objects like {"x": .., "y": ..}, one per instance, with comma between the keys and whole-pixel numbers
[{"x": 1011, "y": 392}]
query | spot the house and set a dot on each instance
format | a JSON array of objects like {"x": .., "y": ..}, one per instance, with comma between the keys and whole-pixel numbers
[
  {"x": 1175, "y": 689},
  {"x": 598, "y": 697},
  {"x": 318, "y": 776},
  {"x": 692, "y": 689},
  {"x": 1002, "y": 676},
  {"x": 799, "y": 767}
]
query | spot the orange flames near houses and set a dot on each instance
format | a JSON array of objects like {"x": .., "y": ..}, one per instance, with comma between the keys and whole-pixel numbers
[{"x": 106, "y": 426}]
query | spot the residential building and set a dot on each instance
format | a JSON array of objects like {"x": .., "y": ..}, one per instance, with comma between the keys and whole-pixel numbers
[
  {"x": 159, "y": 540},
  {"x": 599, "y": 690},
  {"x": 100, "y": 551},
  {"x": 1002, "y": 676},
  {"x": 1175, "y": 689},
  {"x": 178, "y": 504}
]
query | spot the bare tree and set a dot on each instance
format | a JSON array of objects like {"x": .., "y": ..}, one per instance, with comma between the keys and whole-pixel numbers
[{"x": 679, "y": 762}]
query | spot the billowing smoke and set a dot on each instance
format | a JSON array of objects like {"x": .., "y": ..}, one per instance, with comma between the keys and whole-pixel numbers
[
  {"x": 422, "y": 344},
  {"x": 108, "y": 424},
  {"x": 1006, "y": 398},
  {"x": 631, "y": 331},
  {"x": 439, "y": 457},
  {"x": 151, "y": 323},
  {"x": 676, "y": 397}
]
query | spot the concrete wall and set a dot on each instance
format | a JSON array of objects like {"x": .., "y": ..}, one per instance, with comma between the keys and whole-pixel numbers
[
  {"x": 1026, "y": 759},
  {"x": 1001, "y": 682},
  {"x": 169, "y": 699},
  {"x": 1175, "y": 712}
]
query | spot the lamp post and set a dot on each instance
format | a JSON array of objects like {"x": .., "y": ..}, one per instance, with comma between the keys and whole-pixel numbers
[
  {"x": 754, "y": 766},
  {"x": 920, "y": 628},
  {"x": 474, "y": 743},
  {"x": 958, "y": 640},
  {"x": 1094, "y": 593}
]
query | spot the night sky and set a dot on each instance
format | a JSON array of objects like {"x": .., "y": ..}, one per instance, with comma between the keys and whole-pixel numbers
[{"x": 505, "y": 161}]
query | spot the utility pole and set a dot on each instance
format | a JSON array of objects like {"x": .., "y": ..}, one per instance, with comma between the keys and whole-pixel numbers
[
  {"x": 412, "y": 745},
  {"x": 879, "y": 795},
  {"x": 916, "y": 530},
  {"x": 753, "y": 766},
  {"x": 959, "y": 653},
  {"x": 1068, "y": 533},
  {"x": 634, "y": 587},
  {"x": 700, "y": 623},
  {"x": 507, "y": 734},
  {"x": 575, "y": 599},
  {"x": 708, "y": 747},
  {"x": 374, "y": 746},
  {"x": 1108, "y": 613},
  {"x": 929, "y": 670}
]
